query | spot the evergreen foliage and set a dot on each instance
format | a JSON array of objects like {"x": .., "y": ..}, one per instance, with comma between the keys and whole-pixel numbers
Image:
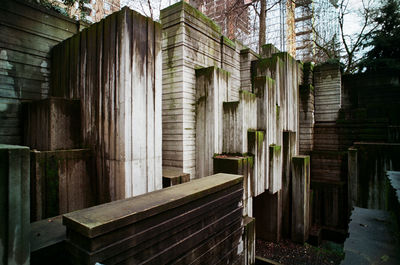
[{"x": 384, "y": 53}]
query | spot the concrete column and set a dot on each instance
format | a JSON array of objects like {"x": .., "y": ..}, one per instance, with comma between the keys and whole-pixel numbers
[
  {"x": 352, "y": 176},
  {"x": 256, "y": 144},
  {"x": 52, "y": 124},
  {"x": 268, "y": 213},
  {"x": 14, "y": 205},
  {"x": 275, "y": 168},
  {"x": 212, "y": 85},
  {"x": 300, "y": 198},
  {"x": 238, "y": 165},
  {"x": 289, "y": 149},
  {"x": 249, "y": 240}
]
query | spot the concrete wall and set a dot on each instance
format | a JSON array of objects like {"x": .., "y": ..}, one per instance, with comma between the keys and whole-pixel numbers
[
  {"x": 28, "y": 33},
  {"x": 14, "y": 205},
  {"x": 196, "y": 222},
  {"x": 190, "y": 41},
  {"x": 327, "y": 84},
  {"x": 114, "y": 68}
]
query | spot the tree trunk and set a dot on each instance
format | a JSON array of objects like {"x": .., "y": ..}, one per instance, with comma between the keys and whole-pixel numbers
[{"x": 261, "y": 36}]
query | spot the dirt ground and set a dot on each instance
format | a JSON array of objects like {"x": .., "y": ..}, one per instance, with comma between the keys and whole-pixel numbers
[{"x": 288, "y": 253}]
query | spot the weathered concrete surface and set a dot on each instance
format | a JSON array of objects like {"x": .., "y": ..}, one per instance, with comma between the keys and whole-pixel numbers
[
  {"x": 199, "y": 221},
  {"x": 238, "y": 118},
  {"x": 372, "y": 238},
  {"x": 249, "y": 239},
  {"x": 374, "y": 159},
  {"x": 29, "y": 31},
  {"x": 212, "y": 86},
  {"x": 14, "y": 205},
  {"x": 300, "y": 198},
  {"x": 306, "y": 111},
  {"x": 289, "y": 148},
  {"x": 327, "y": 84},
  {"x": 239, "y": 165},
  {"x": 256, "y": 147},
  {"x": 114, "y": 68},
  {"x": 394, "y": 178},
  {"x": 61, "y": 182},
  {"x": 47, "y": 239},
  {"x": 352, "y": 176},
  {"x": 52, "y": 124},
  {"x": 190, "y": 41},
  {"x": 267, "y": 209},
  {"x": 174, "y": 176}
]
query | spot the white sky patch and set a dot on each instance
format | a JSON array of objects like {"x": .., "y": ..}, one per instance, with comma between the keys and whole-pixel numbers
[{"x": 142, "y": 6}]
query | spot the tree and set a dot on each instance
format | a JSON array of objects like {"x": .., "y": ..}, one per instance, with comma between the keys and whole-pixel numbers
[
  {"x": 384, "y": 41},
  {"x": 353, "y": 44}
]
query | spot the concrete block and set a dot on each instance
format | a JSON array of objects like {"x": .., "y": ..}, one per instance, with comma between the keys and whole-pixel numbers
[
  {"x": 14, "y": 205},
  {"x": 239, "y": 165},
  {"x": 289, "y": 149},
  {"x": 267, "y": 209},
  {"x": 174, "y": 176},
  {"x": 256, "y": 144},
  {"x": 249, "y": 239},
  {"x": 352, "y": 175},
  {"x": 300, "y": 198},
  {"x": 211, "y": 91},
  {"x": 275, "y": 168},
  {"x": 52, "y": 124},
  {"x": 61, "y": 182}
]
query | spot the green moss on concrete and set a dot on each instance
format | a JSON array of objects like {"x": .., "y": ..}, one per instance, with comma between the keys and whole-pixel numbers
[
  {"x": 205, "y": 71},
  {"x": 228, "y": 42},
  {"x": 200, "y": 16},
  {"x": 260, "y": 139},
  {"x": 250, "y": 159},
  {"x": 277, "y": 111},
  {"x": 246, "y": 95}
]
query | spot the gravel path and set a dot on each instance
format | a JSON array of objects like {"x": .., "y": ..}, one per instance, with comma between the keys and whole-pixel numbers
[{"x": 288, "y": 253}]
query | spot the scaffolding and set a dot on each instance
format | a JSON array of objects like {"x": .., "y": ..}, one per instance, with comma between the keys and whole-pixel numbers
[{"x": 299, "y": 26}]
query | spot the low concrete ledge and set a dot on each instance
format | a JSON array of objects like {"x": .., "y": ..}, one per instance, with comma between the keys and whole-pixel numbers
[
  {"x": 199, "y": 221},
  {"x": 174, "y": 176},
  {"x": 104, "y": 218}
]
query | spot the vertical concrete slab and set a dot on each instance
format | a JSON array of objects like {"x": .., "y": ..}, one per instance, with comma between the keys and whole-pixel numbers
[
  {"x": 14, "y": 205},
  {"x": 238, "y": 118},
  {"x": 267, "y": 209},
  {"x": 289, "y": 150},
  {"x": 52, "y": 124},
  {"x": 249, "y": 239},
  {"x": 300, "y": 198},
  {"x": 352, "y": 175},
  {"x": 211, "y": 91},
  {"x": 275, "y": 168},
  {"x": 238, "y": 165},
  {"x": 61, "y": 182},
  {"x": 327, "y": 82},
  {"x": 256, "y": 144}
]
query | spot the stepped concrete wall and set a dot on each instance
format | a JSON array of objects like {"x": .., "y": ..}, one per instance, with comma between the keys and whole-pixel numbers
[
  {"x": 29, "y": 32},
  {"x": 114, "y": 68}
]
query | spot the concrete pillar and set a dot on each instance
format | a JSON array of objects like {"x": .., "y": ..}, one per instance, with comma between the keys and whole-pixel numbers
[
  {"x": 52, "y": 124},
  {"x": 275, "y": 168},
  {"x": 238, "y": 118},
  {"x": 289, "y": 149},
  {"x": 212, "y": 85},
  {"x": 249, "y": 240},
  {"x": 267, "y": 209},
  {"x": 238, "y": 165},
  {"x": 300, "y": 198},
  {"x": 256, "y": 144},
  {"x": 352, "y": 175},
  {"x": 14, "y": 205}
]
